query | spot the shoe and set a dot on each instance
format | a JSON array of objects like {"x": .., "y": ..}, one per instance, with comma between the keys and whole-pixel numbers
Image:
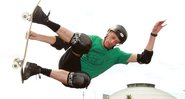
[
  {"x": 39, "y": 16},
  {"x": 30, "y": 70}
]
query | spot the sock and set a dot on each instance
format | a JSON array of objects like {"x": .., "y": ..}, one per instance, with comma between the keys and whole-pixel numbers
[
  {"x": 53, "y": 26},
  {"x": 46, "y": 71}
]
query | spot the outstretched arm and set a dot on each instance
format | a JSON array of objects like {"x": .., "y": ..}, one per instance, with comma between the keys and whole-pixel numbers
[
  {"x": 146, "y": 55},
  {"x": 43, "y": 38},
  {"x": 157, "y": 27}
]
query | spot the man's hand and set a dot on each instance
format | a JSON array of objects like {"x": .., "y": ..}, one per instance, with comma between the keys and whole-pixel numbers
[
  {"x": 158, "y": 26},
  {"x": 32, "y": 35}
]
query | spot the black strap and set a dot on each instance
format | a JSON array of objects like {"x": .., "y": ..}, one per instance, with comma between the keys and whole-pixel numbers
[{"x": 152, "y": 34}]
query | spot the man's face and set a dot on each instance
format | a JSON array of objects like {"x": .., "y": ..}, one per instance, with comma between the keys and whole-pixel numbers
[{"x": 111, "y": 40}]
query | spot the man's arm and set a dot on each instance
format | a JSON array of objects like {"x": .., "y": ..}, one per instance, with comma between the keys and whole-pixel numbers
[
  {"x": 157, "y": 27},
  {"x": 146, "y": 55},
  {"x": 43, "y": 38}
]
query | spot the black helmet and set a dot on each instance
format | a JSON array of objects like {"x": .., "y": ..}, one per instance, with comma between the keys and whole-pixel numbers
[{"x": 120, "y": 31}]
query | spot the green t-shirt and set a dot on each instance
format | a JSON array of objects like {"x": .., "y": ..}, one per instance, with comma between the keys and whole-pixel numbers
[{"x": 99, "y": 59}]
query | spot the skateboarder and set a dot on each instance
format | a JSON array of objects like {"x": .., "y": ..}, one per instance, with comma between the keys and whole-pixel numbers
[{"x": 86, "y": 56}]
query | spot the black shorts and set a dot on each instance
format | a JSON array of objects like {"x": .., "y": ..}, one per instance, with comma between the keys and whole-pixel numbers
[
  {"x": 80, "y": 43},
  {"x": 70, "y": 62}
]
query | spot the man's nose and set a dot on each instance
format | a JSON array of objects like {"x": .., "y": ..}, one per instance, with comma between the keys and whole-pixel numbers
[{"x": 114, "y": 42}]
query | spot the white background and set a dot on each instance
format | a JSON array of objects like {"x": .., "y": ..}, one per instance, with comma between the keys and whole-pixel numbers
[{"x": 166, "y": 71}]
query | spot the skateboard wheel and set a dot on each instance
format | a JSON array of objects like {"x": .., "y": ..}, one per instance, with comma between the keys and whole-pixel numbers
[
  {"x": 15, "y": 66},
  {"x": 16, "y": 63},
  {"x": 26, "y": 16}
]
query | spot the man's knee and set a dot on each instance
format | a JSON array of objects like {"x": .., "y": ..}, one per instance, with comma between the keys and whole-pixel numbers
[
  {"x": 81, "y": 43},
  {"x": 78, "y": 80}
]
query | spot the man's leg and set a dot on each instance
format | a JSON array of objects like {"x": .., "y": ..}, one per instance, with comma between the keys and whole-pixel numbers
[
  {"x": 70, "y": 60},
  {"x": 60, "y": 44},
  {"x": 72, "y": 79},
  {"x": 76, "y": 79},
  {"x": 33, "y": 69},
  {"x": 81, "y": 44},
  {"x": 41, "y": 18}
]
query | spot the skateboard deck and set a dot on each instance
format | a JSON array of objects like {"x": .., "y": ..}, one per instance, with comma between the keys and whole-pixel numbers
[{"x": 18, "y": 62}]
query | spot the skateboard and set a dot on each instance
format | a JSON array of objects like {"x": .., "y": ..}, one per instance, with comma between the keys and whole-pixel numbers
[{"x": 17, "y": 62}]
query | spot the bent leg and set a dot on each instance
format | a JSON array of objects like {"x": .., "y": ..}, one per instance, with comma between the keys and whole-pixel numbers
[
  {"x": 70, "y": 60},
  {"x": 60, "y": 75},
  {"x": 41, "y": 18},
  {"x": 65, "y": 34},
  {"x": 71, "y": 79},
  {"x": 60, "y": 44}
]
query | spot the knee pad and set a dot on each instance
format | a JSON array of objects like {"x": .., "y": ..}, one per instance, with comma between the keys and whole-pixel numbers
[
  {"x": 78, "y": 80},
  {"x": 81, "y": 43}
]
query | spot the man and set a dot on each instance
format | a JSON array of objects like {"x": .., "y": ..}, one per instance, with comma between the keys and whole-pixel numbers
[{"x": 86, "y": 56}]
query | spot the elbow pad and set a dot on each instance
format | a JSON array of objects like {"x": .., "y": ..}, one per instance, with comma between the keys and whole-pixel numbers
[{"x": 145, "y": 57}]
